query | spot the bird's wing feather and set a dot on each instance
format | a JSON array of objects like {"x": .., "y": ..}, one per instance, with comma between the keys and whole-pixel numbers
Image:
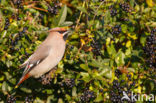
[{"x": 41, "y": 53}]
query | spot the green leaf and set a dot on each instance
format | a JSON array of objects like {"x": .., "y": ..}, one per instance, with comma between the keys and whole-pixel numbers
[
  {"x": 62, "y": 16},
  {"x": 99, "y": 98},
  {"x": 119, "y": 59},
  {"x": 131, "y": 69},
  {"x": 85, "y": 76},
  {"x": 5, "y": 87},
  {"x": 84, "y": 67},
  {"x": 111, "y": 50},
  {"x": 82, "y": 9},
  {"x": 26, "y": 90},
  {"x": 67, "y": 23},
  {"x": 93, "y": 63},
  {"x": 143, "y": 40},
  {"x": 74, "y": 89},
  {"x": 124, "y": 28}
]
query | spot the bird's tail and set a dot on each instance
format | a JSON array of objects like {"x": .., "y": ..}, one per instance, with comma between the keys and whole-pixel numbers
[{"x": 23, "y": 78}]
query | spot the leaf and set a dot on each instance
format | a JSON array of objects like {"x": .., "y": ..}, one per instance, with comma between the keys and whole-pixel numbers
[
  {"x": 3, "y": 34},
  {"x": 128, "y": 44},
  {"x": 26, "y": 90},
  {"x": 119, "y": 59},
  {"x": 111, "y": 50},
  {"x": 99, "y": 98},
  {"x": 85, "y": 76},
  {"x": 94, "y": 63},
  {"x": 5, "y": 87},
  {"x": 143, "y": 40},
  {"x": 67, "y": 23},
  {"x": 74, "y": 89},
  {"x": 62, "y": 16},
  {"x": 124, "y": 28},
  {"x": 150, "y": 3},
  {"x": 131, "y": 69},
  {"x": 82, "y": 9},
  {"x": 84, "y": 67}
]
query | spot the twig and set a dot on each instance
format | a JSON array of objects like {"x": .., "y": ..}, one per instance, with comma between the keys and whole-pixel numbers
[
  {"x": 80, "y": 15},
  {"x": 97, "y": 10},
  {"x": 39, "y": 9}
]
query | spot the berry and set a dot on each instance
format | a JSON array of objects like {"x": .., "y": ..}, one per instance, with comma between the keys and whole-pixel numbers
[
  {"x": 117, "y": 72},
  {"x": 6, "y": 27},
  {"x": 149, "y": 49},
  {"x": 110, "y": 7},
  {"x": 87, "y": 96},
  {"x": 28, "y": 100},
  {"x": 41, "y": 16},
  {"x": 11, "y": 99},
  {"x": 7, "y": 23},
  {"x": 116, "y": 29},
  {"x": 18, "y": 18},
  {"x": 113, "y": 12},
  {"x": 70, "y": 83},
  {"x": 96, "y": 48},
  {"x": 52, "y": 10},
  {"x": 19, "y": 2},
  {"x": 24, "y": 29},
  {"x": 125, "y": 7},
  {"x": 46, "y": 78},
  {"x": 102, "y": 0},
  {"x": 120, "y": 86}
]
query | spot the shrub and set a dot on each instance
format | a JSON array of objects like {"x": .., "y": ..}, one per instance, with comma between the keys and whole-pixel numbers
[{"x": 112, "y": 49}]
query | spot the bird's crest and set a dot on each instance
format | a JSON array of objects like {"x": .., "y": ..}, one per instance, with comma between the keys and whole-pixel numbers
[{"x": 58, "y": 29}]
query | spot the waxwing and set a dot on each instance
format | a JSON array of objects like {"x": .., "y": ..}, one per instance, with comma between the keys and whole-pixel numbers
[{"x": 47, "y": 55}]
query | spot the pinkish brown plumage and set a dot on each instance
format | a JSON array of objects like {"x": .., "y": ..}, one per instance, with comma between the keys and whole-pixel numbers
[{"x": 47, "y": 56}]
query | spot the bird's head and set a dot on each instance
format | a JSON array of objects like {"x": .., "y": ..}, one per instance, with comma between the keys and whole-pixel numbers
[{"x": 63, "y": 31}]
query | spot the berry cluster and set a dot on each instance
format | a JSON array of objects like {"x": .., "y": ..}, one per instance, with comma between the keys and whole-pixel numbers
[
  {"x": 125, "y": 7},
  {"x": 117, "y": 73},
  {"x": 18, "y": 3},
  {"x": 47, "y": 78},
  {"x": 11, "y": 99},
  {"x": 120, "y": 87},
  {"x": 150, "y": 49},
  {"x": 7, "y": 23},
  {"x": 53, "y": 9},
  {"x": 116, "y": 29},
  {"x": 70, "y": 82},
  {"x": 96, "y": 48},
  {"x": 28, "y": 100},
  {"x": 87, "y": 96},
  {"x": 113, "y": 12},
  {"x": 20, "y": 35},
  {"x": 111, "y": 6}
]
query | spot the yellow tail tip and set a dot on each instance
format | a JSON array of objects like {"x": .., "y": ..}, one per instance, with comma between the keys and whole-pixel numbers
[{"x": 16, "y": 86}]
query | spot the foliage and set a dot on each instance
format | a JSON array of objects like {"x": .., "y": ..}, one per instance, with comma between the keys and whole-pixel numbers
[{"x": 106, "y": 53}]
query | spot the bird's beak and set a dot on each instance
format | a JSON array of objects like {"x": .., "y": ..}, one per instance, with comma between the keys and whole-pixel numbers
[{"x": 65, "y": 33}]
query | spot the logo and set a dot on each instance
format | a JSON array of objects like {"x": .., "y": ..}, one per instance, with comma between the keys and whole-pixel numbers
[
  {"x": 139, "y": 97},
  {"x": 125, "y": 96}
]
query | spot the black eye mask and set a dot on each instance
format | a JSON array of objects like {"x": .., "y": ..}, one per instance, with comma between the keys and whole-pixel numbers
[{"x": 61, "y": 32}]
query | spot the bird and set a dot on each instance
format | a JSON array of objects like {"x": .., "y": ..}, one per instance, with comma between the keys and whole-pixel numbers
[{"x": 46, "y": 56}]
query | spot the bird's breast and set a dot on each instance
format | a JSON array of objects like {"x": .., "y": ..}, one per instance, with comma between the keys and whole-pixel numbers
[{"x": 54, "y": 57}]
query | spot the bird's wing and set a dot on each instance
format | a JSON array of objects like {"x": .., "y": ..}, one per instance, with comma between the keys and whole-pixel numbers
[{"x": 40, "y": 54}]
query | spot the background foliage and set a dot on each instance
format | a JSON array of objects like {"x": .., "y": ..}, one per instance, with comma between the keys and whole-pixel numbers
[{"x": 112, "y": 49}]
